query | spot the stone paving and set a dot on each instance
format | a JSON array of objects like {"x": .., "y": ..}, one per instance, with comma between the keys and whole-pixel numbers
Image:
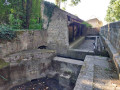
[
  {"x": 97, "y": 73},
  {"x": 87, "y": 45}
]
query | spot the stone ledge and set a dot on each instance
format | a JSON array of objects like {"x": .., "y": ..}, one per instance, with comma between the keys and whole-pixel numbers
[
  {"x": 113, "y": 54},
  {"x": 29, "y": 55},
  {"x": 78, "y": 50},
  {"x": 85, "y": 78},
  {"x": 67, "y": 60}
]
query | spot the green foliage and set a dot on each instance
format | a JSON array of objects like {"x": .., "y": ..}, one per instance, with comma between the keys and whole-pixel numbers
[
  {"x": 87, "y": 24},
  {"x": 6, "y": 33},
  {"x": 35, "y": 26},
  {"x": 35, "y": 18},
  {"x": 15, "y": 23},
  {"x": 4, "y": 11},
  {"x": 11, "y": 14},
  {"x": 20, "y": 14},
  {"x": 73, "y": 2},
  {"x": 48, "y": 10},
  {"x": 113, "y": 12}
]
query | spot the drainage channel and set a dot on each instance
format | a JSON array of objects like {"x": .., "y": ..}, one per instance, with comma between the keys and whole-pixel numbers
[{"x": 90, "y": 45}]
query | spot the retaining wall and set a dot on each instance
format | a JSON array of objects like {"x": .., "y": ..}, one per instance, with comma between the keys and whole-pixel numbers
[
  {"x": 25, "y": 40},
  {"x": 111, "y": 38},
  {"x": 25, "y": 66}
]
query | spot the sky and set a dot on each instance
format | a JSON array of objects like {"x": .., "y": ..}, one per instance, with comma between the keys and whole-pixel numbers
[{"x": 88, "y": 9}]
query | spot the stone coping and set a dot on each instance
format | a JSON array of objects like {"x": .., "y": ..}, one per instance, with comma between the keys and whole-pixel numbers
[
  {"x": 29, "y": 55},
  {"x": 113, "y": 54},
  {"x": 67, "y": 60},
  {"x": 85, "y": 78},
  {"x": 78, "y": 50}
]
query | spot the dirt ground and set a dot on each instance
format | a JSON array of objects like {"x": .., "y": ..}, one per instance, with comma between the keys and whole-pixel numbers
[{"x": 105, "y": 76}]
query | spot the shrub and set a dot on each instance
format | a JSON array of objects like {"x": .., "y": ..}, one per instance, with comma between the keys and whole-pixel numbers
[{"x": 6, "y": 33}]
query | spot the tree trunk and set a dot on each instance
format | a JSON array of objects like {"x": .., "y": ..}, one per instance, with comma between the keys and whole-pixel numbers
[{"x": 28, "y": 10}]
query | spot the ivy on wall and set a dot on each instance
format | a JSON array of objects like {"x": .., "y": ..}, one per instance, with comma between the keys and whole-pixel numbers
[{"x": 48, "y": 10}]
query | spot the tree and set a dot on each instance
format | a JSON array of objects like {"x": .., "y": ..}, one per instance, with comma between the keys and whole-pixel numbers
[
  {"x": 113, "y": 12},
  {"x": 21, "y": 14},
  {"x": 73, "y": 2}
]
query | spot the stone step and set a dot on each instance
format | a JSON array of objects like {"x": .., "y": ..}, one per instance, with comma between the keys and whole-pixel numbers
[{"x": 68, "y": 60}]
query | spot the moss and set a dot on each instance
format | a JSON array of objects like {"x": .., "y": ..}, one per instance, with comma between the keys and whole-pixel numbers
[
  {"x": 20, "y": 32},
  {"x": 3, "y": 63}
]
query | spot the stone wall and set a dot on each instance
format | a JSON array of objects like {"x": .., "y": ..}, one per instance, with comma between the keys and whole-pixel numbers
[
  {"x": 58, "y": 33},
  {"x": 93, "y": 31},
  {"x": 111, "y": 38},
  {"x": 112, "y": 34},
  {"x": 25, "y": 66},
  {"x": 25, "y": 40}
]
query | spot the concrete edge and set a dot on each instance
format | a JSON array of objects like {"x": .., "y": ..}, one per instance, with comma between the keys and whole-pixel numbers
[
  {"x": 67, "y": 60},
  {"x": 77, "y": 50},
  {"x": 113, "y": 54}
]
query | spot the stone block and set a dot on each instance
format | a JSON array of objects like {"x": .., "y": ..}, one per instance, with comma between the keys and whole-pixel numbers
[{"x": 64, "y": 80}]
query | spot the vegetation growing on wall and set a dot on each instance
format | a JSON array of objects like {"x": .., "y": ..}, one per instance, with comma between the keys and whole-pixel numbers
[
  {"x": 48, "y": 10},
  {"x": 6, "y": 33},
  {"x": 87, "y": 24}
]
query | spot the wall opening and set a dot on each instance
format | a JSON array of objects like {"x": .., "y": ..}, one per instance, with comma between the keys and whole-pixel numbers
[{"x": 75, "y": 31}]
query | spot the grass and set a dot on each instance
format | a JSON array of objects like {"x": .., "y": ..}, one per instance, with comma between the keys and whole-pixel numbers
[{"x": 3, "y": 63}]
